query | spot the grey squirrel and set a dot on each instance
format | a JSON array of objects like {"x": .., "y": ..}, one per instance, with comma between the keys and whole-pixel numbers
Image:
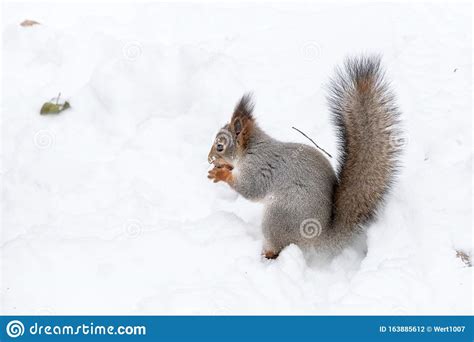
[{"x": 306, "y": 202}]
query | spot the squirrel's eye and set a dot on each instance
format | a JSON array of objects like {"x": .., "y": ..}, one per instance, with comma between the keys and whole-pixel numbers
[{"x": 220, "y": 147}]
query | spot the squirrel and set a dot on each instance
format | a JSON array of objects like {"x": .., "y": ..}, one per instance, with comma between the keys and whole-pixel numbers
[{"x": 307, "y": 202}]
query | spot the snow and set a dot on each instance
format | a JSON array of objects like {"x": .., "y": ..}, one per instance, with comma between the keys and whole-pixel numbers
[{"x": 106, "y": 208}]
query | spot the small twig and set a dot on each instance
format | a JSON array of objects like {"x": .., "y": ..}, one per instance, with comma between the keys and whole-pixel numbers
[
  {"x": 322, "y": 149},
  {"x": 57, "y": 99}
]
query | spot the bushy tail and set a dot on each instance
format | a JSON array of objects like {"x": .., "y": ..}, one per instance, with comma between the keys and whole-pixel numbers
[{"x": 366, "y": 116}]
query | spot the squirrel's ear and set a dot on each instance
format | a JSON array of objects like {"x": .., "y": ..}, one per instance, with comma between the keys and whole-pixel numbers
[
  {"x": 237, "y": 125},
  {"x": 242, "y": 122}
]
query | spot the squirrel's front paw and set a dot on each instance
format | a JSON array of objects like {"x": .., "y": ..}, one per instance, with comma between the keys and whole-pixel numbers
[{"x": 222, "y": 173}]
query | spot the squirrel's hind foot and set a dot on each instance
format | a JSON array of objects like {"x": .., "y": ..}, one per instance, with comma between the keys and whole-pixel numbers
[{"x": 270, "y": 254}]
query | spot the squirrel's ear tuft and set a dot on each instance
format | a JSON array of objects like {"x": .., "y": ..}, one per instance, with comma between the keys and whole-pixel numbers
[
  {"x": 242, "y": 122},
  {"x": 244, "y": 108}
]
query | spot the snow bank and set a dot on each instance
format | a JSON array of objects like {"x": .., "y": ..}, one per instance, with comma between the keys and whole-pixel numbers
[{"x": 107, "y": 208}]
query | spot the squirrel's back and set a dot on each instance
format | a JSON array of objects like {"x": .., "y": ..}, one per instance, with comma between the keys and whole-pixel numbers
[{"x": 366, "y": 117}]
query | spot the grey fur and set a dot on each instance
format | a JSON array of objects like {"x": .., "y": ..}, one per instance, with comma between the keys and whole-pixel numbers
[
  {"x": 294, "y": 181},
  {"x": 305, "y": 202}
]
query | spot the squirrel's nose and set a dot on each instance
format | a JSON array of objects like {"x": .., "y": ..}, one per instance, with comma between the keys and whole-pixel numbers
[{"x": 211, "y": 157}]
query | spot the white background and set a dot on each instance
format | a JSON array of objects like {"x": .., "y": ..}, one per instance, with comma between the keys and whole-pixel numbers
[{"x": 106, "y": 208}]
